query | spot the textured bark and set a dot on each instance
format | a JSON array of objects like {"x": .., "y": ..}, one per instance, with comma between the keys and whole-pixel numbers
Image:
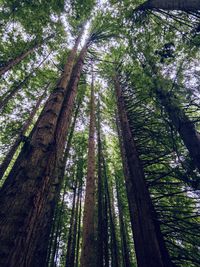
[
  {"x": 100, "y": 195},
  {"x": 88, "y": 244},
  {"x": 149, "y": 243},
  {"x": 182, "y": 123},
  {"x": 27, "y": 198},
  {"x": 18, "y": 87},
  {"x": 11, "y": 63},
  {"x": 19, "y": 138},
  {"x": 184, "y": 5}
]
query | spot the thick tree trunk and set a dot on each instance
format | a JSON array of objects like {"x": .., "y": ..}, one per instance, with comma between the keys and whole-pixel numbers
[
  {"x": 27, "y": 198},
  {"x": 9, "y": 95},
  {"x": 182, "y": 123},
  {"x": 184, "y": 5},
  {"x": 149, "y": 243},
  {"x": 11, "y": 63},
  {"x": 100, "y": 195},
  {"x": 88, "y": 244},
  {"x": 19, "y": 138}
]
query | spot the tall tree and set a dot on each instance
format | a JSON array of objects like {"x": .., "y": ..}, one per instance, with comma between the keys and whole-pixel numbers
[
  {"x": 149, "y": 243},
  {"x": 88, "y": 243}
]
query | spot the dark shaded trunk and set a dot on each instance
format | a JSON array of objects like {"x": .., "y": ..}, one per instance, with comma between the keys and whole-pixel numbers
[
  {"x": 184, "y": 5},
  {"x": 79, "y": 228},
  {"x": 27, "y": 198},
  {"x": 11, "y": 63},
  {"x": 69, "y": 260},
  {"x": 125, "y": 250},
  {"x": 149, "y": 243},
  {"x": 13, "y": 92},
  {"x": 88, "y": 245},
  {"x": 105, "y": 232},
  {"x": 114, "y": 248},
  {"x": 20, "y": 136},
  {"x": 184, "y": 126},
  {"x": 100, "y": 195}
]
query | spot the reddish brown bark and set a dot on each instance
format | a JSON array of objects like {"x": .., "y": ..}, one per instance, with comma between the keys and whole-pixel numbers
[
  {"x": 87, "y": 253},
  {"x": 19, "y": 139},
  {"x": 11, "y": 63},
  {"x": 149, "y": 243},
  {"x": 27, "y": 198},
  {"x": 185, "y": 5}
]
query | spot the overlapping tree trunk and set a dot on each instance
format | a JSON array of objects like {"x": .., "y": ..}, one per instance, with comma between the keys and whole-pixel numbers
[
  {"x": 184, "y": 126},
  {"x": 88, "y": 243},
  {"x": 149, "y": 243},
  {"x": 184, "y": 5},
  {"x": 19, "y": 139},
  {"x": 27, "y": 197},
  {"x": 11, "y": 63}
]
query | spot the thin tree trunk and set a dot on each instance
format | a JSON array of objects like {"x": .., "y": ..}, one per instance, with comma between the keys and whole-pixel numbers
[
  {"x": 19, "y": 139},
  {"x": 100, "y": 195},
  {"x": 79, "y": 228},
  {"x": 125, "y": 251},
  {"x": 18, "y": 87},
  {"x": 105, "y": 231},
  {"x": 70, "y": 234},
  {"x": 27, "y": 198},
  {"x": 184, "y": 5},
  {"x": 11, "y": 63},
  {"x": 88, "y": 251},
  {"x": 149, "y": 243},
  {"x": 114, "y": 248}
]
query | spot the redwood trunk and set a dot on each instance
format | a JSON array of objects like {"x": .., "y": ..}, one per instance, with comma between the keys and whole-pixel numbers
[
  {"x": 11, "y": 63},
  {"x": 184, "y": 5},
  {"x": 27, "y": 198},
  {"x": 100, "y": 196},
  {"x": 149, "y": 243},
  {"x": 88, "y": 244},
  {"x": 19, "y": 138}
]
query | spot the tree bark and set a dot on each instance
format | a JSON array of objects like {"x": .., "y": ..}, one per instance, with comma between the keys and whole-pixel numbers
[
  {"x": 149, "y": 243},
  {"x": 184, "y": 5},
  {"x": 11, "y": 63},
  {"x": 88, "y": 244},
  {"x": 27, "y": 198},
  {"x": 19, "y": 139},
  {"x": 79, "y": 228}
]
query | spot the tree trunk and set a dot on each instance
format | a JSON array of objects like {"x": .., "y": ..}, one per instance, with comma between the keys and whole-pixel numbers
[
  {"x": 27, "y": 198},
  {"x": 9, "y": 95},
  {"x": 149, "y": 243},
  {"x": 11, "y": 63},
  {"x": 88, "y": 251},
  {"x": 70, "y": 234},
  {"x": 20, "y": 136},
  {"x": 79, "y": 228},
  {"x": 114, "y": 248},
  {"x": 100, "y": 195},
  {"x": 182, "y": 123},
  {"x": 125, "y": 251},
  {"x": 184, "y": 5}
]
